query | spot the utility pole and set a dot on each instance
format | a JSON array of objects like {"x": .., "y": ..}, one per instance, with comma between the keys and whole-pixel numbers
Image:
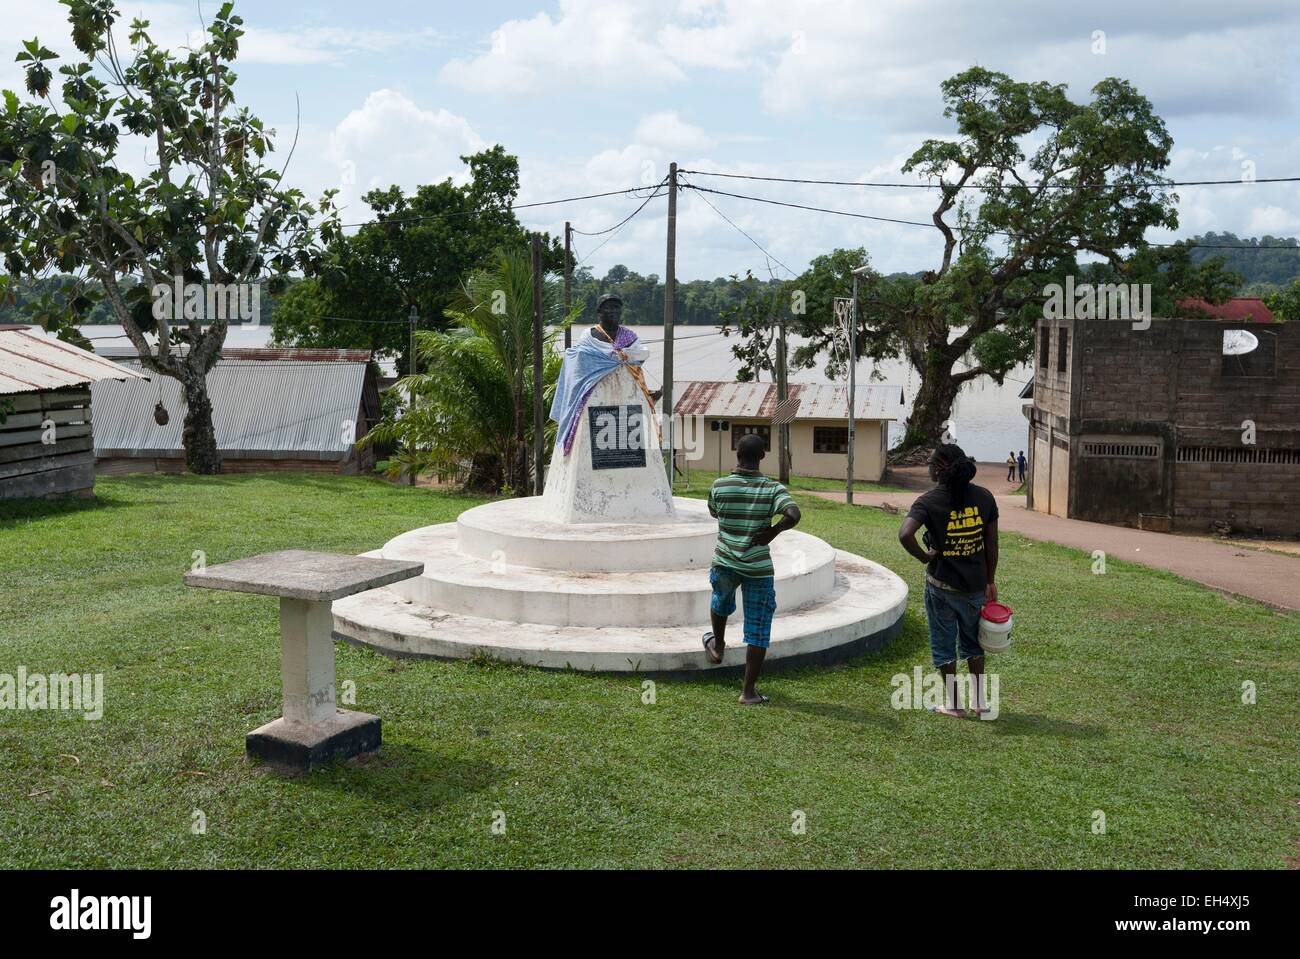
[
  {"x": 853, "y": 380},
  {"x": 568, "y": 281},
  {"x": 415, "y": 316},
  {"x": 782, "y": 394},
  {"x": 670, "y": 295},
  {"x": 539, "y": 424}
]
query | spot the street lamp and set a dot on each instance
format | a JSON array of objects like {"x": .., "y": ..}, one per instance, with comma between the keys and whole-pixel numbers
[{"x": 853, "y": 379}]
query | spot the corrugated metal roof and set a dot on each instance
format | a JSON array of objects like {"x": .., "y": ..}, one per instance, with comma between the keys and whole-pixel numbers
[
  {"x": 264, "y": 406},
  {"x": 300, "y": 354},
  {"x": 817, "y": 401},
  {"x": 31, "y": 361},
  {"x": 1237, "y": 309}
]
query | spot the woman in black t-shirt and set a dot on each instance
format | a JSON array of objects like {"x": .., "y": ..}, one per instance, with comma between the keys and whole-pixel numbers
[{"x": 961, "y": 558}]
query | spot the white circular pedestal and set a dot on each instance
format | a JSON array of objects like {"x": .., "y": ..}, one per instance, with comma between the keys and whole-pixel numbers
[{"x": 506, "y": 582}]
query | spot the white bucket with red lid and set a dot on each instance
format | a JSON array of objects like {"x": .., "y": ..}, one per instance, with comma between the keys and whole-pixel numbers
[{"x": 995, "y": 627}]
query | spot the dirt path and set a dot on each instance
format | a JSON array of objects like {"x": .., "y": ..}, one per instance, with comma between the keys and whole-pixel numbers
[{"x": 1271, "y": 578}]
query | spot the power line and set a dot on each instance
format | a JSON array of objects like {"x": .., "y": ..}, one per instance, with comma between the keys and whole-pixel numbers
[
  {"x": 613, "y": 231},
  {"x": 513, "y": 206},
  {"x": 769, "y": 256},
  {"x": 693, "y": 336},
  {"x": 629, "y": 216},
  {"x": 958, "y": 229},
  {"x": 982, "y": 186}
]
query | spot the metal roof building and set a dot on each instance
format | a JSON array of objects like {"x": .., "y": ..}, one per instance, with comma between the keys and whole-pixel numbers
[
  {"x": 46, "y": 444},
  {"x": 817, "y": 401},
  {"x": 710, "y": 417},
  {"x": 31, "y": 360},
  {"x": 285, "y": 409}
]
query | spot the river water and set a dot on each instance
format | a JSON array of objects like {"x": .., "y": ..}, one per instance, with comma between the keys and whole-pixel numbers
[{"x": 987, "y": 420}]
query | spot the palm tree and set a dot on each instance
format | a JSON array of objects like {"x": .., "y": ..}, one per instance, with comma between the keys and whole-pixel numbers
[{"x": 473, "y": 405}]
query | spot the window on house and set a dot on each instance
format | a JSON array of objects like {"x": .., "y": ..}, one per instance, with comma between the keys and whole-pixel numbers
[
  {"x": 1063, "y": 352},
  {"x": 830, "y": 439},
  {"x": 745, "y": 429},
  {"x": 1044, "y": 346}
]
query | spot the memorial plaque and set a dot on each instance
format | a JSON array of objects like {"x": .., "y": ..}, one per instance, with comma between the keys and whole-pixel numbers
[{"x": 617, "y": 437}]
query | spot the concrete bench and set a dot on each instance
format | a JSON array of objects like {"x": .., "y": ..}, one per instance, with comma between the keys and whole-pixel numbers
[{"x": 313, "y": 729}]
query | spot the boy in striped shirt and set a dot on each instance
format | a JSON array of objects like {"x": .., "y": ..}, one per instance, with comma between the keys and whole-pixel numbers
[{"x": 744, "y": 503}]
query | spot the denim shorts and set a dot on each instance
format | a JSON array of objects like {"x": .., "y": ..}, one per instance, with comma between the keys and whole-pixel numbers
[
  {"x": 759, "y": 595},
  {"x": 954, "y": 624}
]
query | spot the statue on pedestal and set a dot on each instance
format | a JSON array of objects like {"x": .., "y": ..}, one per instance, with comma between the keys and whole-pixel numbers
[{"x": 608, "y": 462}]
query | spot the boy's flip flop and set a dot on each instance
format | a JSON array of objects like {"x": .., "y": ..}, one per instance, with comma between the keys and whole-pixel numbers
[
  {"x": 708, "y": 653},
  {"x": 758, "y": 702},
  {"x": 943, "y": 711}
]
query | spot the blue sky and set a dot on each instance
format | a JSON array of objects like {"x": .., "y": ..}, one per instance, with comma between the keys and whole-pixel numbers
[{"x": 597, "y": 95}]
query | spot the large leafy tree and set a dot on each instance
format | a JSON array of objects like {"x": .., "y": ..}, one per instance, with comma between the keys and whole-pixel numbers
[
  {"x": 474, "y": 403},
  {"x": 1010, "y": 222},
  {"x": 412, "y": 252},
  {"x": 1285, "y": 303},
  {"x": 210, "y": 211}
]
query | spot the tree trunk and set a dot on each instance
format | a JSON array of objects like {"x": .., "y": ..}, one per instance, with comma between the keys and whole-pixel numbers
[
  {"x": 485, "y": 474},
  {"x": 519, "y": 455},
  {"x": 931, "y": 416},
  {"x": 198, "y": 436}
]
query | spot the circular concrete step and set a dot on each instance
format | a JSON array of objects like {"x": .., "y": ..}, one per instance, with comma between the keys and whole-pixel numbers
[
  {"x": 862, "y": 611},
  {"x": 498, "y": 590},
  {"x": 520, "y": 532}
]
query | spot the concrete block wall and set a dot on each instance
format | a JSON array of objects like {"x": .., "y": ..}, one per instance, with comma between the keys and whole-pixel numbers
[{"x": 1169, "y": 381}]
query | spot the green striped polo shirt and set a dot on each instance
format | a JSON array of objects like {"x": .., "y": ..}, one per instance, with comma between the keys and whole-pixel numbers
[{"x": 744, "y": 504}]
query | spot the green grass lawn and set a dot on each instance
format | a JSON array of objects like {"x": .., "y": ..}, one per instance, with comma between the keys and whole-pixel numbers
[{"x": 1123, "y": 694}]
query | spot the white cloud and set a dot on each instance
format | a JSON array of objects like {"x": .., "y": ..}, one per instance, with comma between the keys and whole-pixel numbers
[
  {"x": 177, "y": 25},
  {"x": 598, "y": 43},
  {"x": 390, "y": 140},
  {"x": 1274, "y": 221},
  {"x": 667, "y": 131},
  {"x": 889, "y": 57},
  {"x": 327, "y": 44}
]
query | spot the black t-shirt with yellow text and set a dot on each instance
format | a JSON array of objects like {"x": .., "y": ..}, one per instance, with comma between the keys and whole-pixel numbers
[{"x": 958, "y": 535}]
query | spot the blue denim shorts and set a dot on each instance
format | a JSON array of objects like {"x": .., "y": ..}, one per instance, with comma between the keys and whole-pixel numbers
[
  {"x": 759, "y": 595},
  {"x": 954, "y": 624}
]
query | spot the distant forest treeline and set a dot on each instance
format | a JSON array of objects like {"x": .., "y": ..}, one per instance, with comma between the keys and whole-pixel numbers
[
  {"x": 1264, "y": 270},
  {"x": 703, "y": 302}
]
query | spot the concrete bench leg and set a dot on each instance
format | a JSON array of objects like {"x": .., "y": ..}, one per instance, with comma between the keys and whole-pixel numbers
[{"x": 312, "y": 730}]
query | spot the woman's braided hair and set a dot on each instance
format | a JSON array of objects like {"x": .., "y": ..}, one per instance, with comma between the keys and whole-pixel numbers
[{"x": 951, "y": 468}]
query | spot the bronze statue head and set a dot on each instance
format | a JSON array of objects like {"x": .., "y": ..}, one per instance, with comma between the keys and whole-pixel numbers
[{"x": 609, "y": 309}]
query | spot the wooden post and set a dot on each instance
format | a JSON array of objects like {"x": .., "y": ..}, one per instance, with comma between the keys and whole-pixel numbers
[
  {"x": 782, "y": 394},
  {"x": 568, "y": 281},
  {"x": 853, "y": 382},
  {"x": 415, "y": 316},
  {"x": 670, "y": 294},
  {"x": 539, "y": 423}
]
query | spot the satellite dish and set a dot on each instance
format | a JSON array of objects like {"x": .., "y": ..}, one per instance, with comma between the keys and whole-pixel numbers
[{"x": 1238, "y": 342}]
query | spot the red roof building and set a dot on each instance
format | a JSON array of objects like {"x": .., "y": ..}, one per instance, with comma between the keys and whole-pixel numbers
[{"x": 1238, "y": 309}]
